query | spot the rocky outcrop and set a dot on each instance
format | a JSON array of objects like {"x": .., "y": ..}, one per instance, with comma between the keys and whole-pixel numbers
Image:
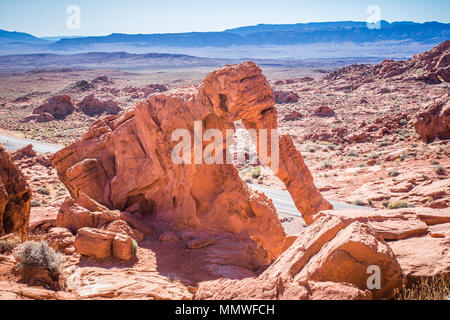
[
  {"x": 124, "y": 162},
  {"x": 294, "y": 115},
  {"x": 27, "y": 156},
  {"x": 73, "y": 216},
  {"x": 380, "y": 128},
  {"x": 152, "y": 89},
  {"x": 15, "y": 198},
  {"x": 92, "y": 106},
  {"x": 39, "y": 118},
  {"x": 419, "y": 237},
  {"x": 433, "y": 120},
  {"x": 282, "y": 97},
  {"x": 324, "y": 111},
  {"x": 432, "y": 67},
  {"x": 331, "y": 259},
  {"x": 57, "y": 106},
  {"x": 102, "y": 80},
  {"x": 94, "y": 242}
]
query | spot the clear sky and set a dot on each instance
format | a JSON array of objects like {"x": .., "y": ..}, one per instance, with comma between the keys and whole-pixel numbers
[{"x": 102, "y": 17}]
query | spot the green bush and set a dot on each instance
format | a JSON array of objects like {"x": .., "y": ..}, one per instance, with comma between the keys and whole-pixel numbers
[{"x": 135, "y": 247}]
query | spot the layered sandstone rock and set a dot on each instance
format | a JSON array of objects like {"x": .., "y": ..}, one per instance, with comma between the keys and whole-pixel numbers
[
  {"x": 92, "y": 106},
  {"x": 94, "y": 242},
  {"x": 125, "y": 162},
  {"x": 432, "y": 67},
  {"x": 282, "y": 97},
  {"x": 419, "y": 237},
  {"x": 324, "y": 111},
  {"x": 332, "y": 255},
  {"x": 57, "y": 106},
  {"x": 15, "y": 198},
  {"x": 433, "y": 120}
]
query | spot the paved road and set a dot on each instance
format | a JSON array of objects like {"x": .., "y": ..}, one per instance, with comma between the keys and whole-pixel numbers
[
  {"x": 13, "y": 144},
  {"x": 284, "y": 203},
  {"x": 282, "y": 200}
]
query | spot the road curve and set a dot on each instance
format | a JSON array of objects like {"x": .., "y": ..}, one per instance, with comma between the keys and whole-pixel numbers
[{"x": 282, "y": 200}]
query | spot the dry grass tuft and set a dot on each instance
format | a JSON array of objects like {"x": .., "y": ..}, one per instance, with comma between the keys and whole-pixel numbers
[{"x": 436, "y": 288}]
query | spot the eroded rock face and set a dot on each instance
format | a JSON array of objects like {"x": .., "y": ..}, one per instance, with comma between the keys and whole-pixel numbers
[
  {"x": 433, "y": 120},
  {"x": 15, "y": 198},
  {"x": 57, "y": 106},
  {"x": 331, "y": 255},
  {"x": 124, "y": 162},
  {"x": 92, "y": 106},
  {"x": 432, "y": 67},
  {"x": 282, "y": 97},
  {"x": 419, "y": 237}
]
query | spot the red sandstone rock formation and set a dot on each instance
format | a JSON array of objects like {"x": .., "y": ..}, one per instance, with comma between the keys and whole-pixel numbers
[
  {"x": 433, "y": 120},
  {"x": 124, "y": 162},
  {"x": 58, "y": 106},
  {"x": 15, "y": 198},
  {"x": 329, "y": 260},
  {"x": 282, "y": 97},
  {"x": 153, "y": 88},
  {"x": 431, "y": 67},
  {"x": 324, "y": 112},
  {"x": 92, "y": 106},
  {"x": 294, "y": 115}
]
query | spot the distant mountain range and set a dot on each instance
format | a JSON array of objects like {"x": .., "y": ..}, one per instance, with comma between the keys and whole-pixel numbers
[
  {"x": 430, "y": 33},
  {"x": 278, "y": 35}
]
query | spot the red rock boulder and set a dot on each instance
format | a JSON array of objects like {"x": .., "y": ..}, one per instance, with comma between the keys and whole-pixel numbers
[
  {"x": 15, "y": 198},
  {"x": 324, "y": 112},
  {"x": 92, "y": 106},
  {"x": 433, "y": 120},
  {"x": 334, "y": 257},
  {"x": 282, "y": 97},
  {"x": 57, "y": 106}
]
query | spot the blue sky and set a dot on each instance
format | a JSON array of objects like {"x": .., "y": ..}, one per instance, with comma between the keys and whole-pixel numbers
[{"x": 101, "y": 17}]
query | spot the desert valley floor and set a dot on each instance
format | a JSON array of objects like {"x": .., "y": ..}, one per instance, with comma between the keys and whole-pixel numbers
[{"x": 374, "y": 136}]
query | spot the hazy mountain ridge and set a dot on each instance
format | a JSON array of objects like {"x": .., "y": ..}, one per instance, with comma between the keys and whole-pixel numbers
[
  {"x": 278, "y": 35},
  {"x": 283, "y": 41}
]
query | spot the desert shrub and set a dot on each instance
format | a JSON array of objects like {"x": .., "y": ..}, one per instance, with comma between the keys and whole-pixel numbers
[
  {"x": 352, "y": 154},
  {"x": 436, "y": 288},
  {"x": 358, "y": 202},
  {"x": 384, "y": 144},
  {"x": 35, "y": 204},
  {"x": 439, "y": 170},
  {"x": 256, "y": 172},
  {"x": 332, "y": 147},
  {"x": 398, "y": 204},
  {"x": 135, "y": 247},
  {"x": 38, "y": 254},
  {"x": 394, "y": 173},
  {"x": 261, "y": 180},
  {"x": 7, "y": 244},
  {"x": 311, "y": 149},
  {"x": 44, "y": 190},
  {"x": 327, "y": 164}
]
